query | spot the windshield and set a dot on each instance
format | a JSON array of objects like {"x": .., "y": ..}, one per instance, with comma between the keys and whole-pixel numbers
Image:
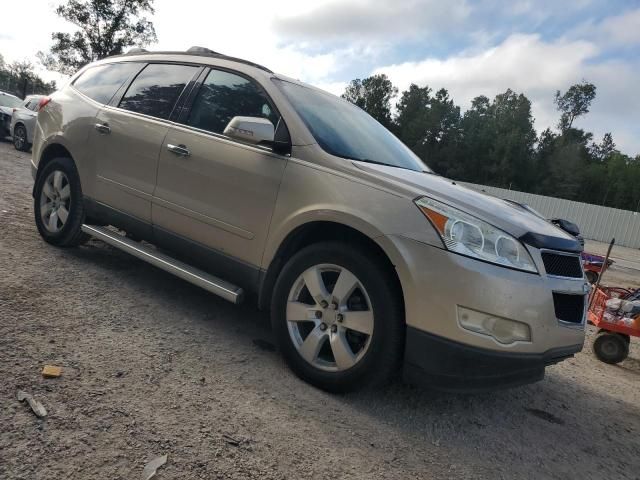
[
  {"x": 9, "y": 101},
  {"x": 344, "y": 130}
]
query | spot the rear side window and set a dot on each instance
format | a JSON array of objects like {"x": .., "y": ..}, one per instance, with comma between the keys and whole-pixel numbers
[
  {"x": 101, "y": 82},
  {"x": 32, "y": 104},
  {"x": 157, "y": 88},
  {"x": 225, "y": 95}
]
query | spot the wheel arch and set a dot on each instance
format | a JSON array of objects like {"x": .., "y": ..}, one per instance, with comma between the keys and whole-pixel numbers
[
  {"x": 51, "y": 151},
  {"x": 318, "y": 231}
]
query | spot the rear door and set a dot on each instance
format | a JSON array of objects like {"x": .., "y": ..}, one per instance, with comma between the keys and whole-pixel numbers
[
  {"x": 222, "y": 193},
  {"x": 128, "y": 134}
]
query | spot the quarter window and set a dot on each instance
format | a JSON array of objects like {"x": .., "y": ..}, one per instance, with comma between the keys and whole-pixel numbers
[
  {"x": 225, "y": 95},
  {"x": 157, "y": 88},
  {"x": 100, "y": 83}
]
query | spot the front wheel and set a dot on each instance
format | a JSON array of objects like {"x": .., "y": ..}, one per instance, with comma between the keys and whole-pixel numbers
[
  {"x": 338, "y": 318},
  {"x": 58, "y": 204}
]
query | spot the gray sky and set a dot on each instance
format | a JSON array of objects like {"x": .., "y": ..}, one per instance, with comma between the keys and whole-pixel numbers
[{"x": 469, "y": 47}]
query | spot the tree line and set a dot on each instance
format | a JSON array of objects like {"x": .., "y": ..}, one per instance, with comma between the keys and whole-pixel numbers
[
  {"x": 495, "y": 143},
  {"x": 19, "y": 78}
]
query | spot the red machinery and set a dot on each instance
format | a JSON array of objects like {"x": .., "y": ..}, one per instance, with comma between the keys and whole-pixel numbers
[
  {"x": 593, "y": 265},
  {"x": 615, "y": 327}
]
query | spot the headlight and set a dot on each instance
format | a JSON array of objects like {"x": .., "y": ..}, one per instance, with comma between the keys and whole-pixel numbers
[{"x": 468, "y": 235}]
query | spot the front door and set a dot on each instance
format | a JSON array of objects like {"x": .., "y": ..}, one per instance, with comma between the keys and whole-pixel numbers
[{"x": 213, "y": 190}]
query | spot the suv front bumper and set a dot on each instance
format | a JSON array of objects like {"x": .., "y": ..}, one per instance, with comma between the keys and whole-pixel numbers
[
  {"x": 441, "y": 353},
  {"x": 436, "y": 362}
]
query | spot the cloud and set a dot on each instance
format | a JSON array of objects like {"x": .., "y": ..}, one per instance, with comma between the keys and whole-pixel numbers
[
  {"x": 537, "y": 68},
  {"x": 621, "y": 29},
  {"x": 380, "y": 20}
]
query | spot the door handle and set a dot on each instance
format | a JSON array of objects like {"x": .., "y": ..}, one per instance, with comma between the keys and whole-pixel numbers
[
  {"x": 180, "y": 150},
  {"x": 103, "y": 128}
]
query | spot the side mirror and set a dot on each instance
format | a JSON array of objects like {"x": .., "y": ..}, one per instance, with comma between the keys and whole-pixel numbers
[{"x": 254, "y": 130}]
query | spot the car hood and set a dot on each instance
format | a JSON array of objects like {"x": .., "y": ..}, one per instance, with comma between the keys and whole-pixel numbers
[
  {"x": 511, "y": 218},
  {"x": 7, "y": 110}
]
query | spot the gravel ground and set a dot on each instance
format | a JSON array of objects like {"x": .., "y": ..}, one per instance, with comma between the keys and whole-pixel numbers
[{"x": 153, "y": 365}]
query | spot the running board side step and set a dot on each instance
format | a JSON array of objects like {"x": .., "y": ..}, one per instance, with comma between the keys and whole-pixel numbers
[{"x": 180, "y": 269}]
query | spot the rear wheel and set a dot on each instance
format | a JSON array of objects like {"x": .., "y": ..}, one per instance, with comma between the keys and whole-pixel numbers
[
  {"x": 20, "y": 138},
  {"x": 58, "y": 204},
  {"x": 610, "y": 347},
  {"x": 337, "y": 318}
]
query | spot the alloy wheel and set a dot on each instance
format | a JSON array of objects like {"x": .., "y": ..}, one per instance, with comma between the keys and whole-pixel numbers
[
  {"x": 55, "y": 200},
  {"x": 19, "y": 138},
  {"x": 329, "y": 317}
]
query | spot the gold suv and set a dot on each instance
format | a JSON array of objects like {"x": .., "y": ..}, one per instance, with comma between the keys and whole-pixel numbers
[{"x": 249, "y": 183}]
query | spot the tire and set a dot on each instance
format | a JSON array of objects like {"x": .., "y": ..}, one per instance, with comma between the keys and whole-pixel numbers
[
  {"x": 592, "y": 277},
  {"x": 362, "y": 341},
  {"x": 610, "y": 347},
  {"x": 58, "y": 192},
  {"x": 20, "y": 139}
]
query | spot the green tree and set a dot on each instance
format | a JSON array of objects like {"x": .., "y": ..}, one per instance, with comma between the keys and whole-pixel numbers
[
  {"x": 567, "y": 163},
  {"x": 574, "y": 103},
  {"x": 498, "y": 141},
  {"x": 430, "y": 126},
  {"x": 514, "y": 140},
  {"x": 106, "y": 27},
  {"x": 373, "y": 95},
  {"x": 603, "y": 150},
  {"x": 23, "y": 74}
]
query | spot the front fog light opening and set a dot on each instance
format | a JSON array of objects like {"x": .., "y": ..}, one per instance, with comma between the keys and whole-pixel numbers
[{"x": 503, "y": 330}]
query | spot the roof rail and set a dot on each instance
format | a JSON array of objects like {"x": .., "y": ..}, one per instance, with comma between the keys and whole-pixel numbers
[
  {"x": 137, "y": 50},
  {"x": 196, "y": 49},
  {"x": 202, "y": 52}
]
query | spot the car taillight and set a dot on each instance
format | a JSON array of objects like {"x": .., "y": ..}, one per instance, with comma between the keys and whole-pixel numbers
[{"x": 43, "y": 102}]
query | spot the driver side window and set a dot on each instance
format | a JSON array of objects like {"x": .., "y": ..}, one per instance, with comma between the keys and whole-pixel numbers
[{"x": 224, "y": 95}]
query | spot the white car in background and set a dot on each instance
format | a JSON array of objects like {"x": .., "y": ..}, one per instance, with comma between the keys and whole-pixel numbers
[
  {"x": 7, "y": 103},
  {"x": 23, "y": 122}
]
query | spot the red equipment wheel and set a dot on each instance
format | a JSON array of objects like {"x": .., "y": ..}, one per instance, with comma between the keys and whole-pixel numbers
[{"x": 611, "y": 347}]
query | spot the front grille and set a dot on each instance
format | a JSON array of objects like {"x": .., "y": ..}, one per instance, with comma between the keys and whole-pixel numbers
[
  {"x": 562, "y": 265},
  {"x": 569, "y": 308}
]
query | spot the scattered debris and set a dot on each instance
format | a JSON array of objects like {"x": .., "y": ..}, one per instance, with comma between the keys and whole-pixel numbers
[
  {"x": 119, "y": 373},
  {"x": 545, "y": 416},
  {"x": 35, "y": 405},
  {"x": 230, "y": 440},
  {"x": 264, "y": 345},
  {"x": 151, "y": 467},
  {"x": 51, "y": 371}
]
